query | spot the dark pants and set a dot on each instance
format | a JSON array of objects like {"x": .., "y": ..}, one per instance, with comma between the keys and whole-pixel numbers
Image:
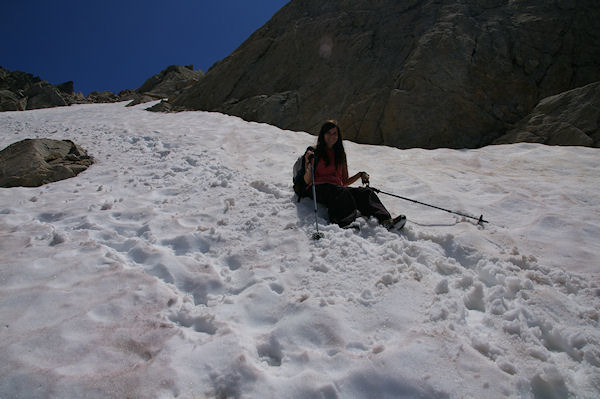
[{"x": 343, "y": 203}]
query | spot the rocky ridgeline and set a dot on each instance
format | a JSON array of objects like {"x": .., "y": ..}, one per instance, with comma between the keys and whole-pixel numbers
[
  {"x": 21, "y": 91},
  {"x": 412, "y": 73}
]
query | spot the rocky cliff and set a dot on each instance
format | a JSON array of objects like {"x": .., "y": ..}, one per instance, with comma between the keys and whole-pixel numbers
[{"x": 405, "y": 73}]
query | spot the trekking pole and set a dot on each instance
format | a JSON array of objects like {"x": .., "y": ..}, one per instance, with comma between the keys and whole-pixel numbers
[
  {"x": 317, "y": 235},
  {"x": 480, "y": 220}
]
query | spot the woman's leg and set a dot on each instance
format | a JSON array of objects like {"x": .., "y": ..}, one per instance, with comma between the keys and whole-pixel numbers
[
  {"x": 339, "y": 201},
  {"x": 369, "y": 204}
]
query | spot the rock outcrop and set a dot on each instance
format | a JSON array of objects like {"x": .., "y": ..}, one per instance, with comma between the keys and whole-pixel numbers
[
  {"x": 33, "y": 162},
  {"x": 570, "y": 118},
  {"x": 21, "y": 91},
  {"x": 169, "y": 82},
  {"x": 411, "y": 73},
  {"x": 43, "y": 95}
]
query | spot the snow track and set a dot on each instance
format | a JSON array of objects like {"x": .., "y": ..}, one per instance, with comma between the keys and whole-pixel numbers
[{"x": 180, "y": 265}]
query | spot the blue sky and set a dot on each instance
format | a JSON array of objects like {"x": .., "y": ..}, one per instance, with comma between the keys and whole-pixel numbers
[{"x": 115, "y": 45}]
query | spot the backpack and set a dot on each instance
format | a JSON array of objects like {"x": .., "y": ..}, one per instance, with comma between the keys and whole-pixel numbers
[{"x": 298, "y": 175}]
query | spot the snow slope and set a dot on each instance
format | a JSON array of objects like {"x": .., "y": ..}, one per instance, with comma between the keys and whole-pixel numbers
[{"x": 180, "y": 265}]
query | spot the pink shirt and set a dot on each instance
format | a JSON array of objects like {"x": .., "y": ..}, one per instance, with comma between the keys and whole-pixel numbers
[{"x": 328, "y": 173}]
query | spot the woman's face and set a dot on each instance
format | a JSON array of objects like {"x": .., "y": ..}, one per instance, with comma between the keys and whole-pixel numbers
[{"x": 331, "y": 137}]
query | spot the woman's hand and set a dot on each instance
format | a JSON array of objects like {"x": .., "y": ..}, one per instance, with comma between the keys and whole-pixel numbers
[
  {"x": 364, "y": 177},
  {"x": 308, "y": 157}
]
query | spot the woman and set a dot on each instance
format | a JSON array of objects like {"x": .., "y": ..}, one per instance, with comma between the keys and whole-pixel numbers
[{"x": 332, "y": 181}]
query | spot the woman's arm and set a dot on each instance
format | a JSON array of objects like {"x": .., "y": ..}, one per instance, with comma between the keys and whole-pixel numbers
[{"x": 350, "y": 180}]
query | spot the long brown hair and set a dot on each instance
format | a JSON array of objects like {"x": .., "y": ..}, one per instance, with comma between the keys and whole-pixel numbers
[{"x": 338, "y": 147}]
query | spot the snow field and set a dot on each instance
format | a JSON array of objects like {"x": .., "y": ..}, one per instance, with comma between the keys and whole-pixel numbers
[{"x": 180, "y": 265}]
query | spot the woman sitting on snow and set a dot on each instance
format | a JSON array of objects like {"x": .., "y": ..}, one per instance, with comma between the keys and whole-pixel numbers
[{"x": 331, "y": 182}]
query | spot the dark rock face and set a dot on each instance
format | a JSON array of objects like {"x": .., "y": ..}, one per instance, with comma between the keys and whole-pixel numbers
[
  {"x": 570, "y": 118},
  {"x": 31, "y": 163},
  {"x": 169, "y": 82},
  {"x": 411, "y": 73}
]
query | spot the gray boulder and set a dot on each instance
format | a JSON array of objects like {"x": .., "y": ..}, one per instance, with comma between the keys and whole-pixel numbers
[
  {"x": 411, "y": 73},
  {"x": 43, "y": 95},
  {"x": 10, "y": 101},
  {"x": 570, "y": 118},
  {"x": 33, "y": 162}
]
